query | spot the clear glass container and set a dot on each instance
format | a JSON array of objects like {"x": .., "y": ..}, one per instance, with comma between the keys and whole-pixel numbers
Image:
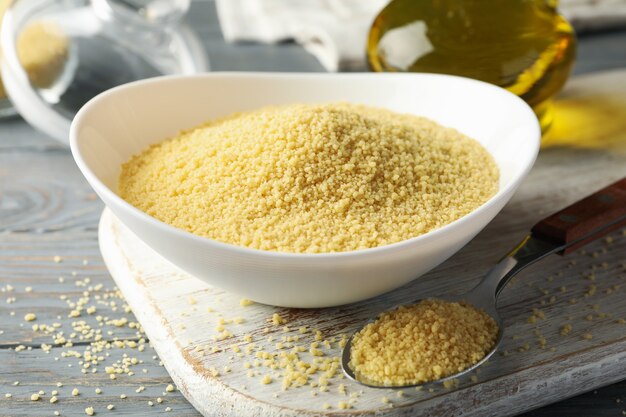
[{"x": 58, "y": 54}]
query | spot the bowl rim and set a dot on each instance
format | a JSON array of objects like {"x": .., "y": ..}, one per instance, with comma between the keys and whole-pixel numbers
[{"x": 101, "y": 188}]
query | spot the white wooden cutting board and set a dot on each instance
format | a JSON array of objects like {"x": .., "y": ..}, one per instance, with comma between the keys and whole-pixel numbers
[{"x": 180, "y": 313}]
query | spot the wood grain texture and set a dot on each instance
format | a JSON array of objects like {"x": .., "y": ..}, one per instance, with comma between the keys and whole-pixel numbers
[{"x": 38, "y": 371}]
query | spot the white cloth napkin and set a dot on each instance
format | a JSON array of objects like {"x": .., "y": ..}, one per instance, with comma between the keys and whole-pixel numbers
[
  {"x": 335, "y": 31},
  {"x": 588, "y": 15}
]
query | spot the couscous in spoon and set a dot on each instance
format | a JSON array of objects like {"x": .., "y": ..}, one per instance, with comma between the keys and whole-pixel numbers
[{"x": 562, "y": 233}]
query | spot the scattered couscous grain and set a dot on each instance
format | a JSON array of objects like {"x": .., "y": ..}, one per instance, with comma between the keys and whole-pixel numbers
[
  {"x": 277, "y": 320},
  {"x": 422, "y": 342},
  {"x": 566, "y": 329},
  {"x": 169, "y": 388},
  {"x": 35, "y": 397},
  {"x": 311, "y": 178},
  {"x": 245, "y": 302},
  {"x": 89, "y": 411},
  {"x": 30, "y": 317},
  {"x": 343, "y": 405}
]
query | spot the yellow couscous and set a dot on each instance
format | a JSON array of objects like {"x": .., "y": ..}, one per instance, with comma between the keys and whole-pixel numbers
[
  {"x": 311, "y": 178},
  {"x": 42, "y": 49},
  {"x": 422, "y": 342}
]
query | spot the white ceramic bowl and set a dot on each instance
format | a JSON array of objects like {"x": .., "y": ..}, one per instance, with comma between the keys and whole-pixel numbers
[{"x": 125, "y": 120}]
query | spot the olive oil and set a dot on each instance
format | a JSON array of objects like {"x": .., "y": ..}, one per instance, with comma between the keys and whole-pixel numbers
[{"x": 524, "y": 46}]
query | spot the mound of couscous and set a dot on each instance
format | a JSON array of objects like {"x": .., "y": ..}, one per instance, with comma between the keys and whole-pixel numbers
[
  {"x": 42, "y": 49},
  {"x": 422, "y": 342},
  {"x": 311, "y": 178}
]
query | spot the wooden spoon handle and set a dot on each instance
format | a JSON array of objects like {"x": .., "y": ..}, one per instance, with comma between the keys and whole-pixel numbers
[{"x": 585, "y": 220}]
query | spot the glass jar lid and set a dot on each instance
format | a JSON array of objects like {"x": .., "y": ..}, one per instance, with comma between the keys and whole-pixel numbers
[{"x": 58, "y": 54}]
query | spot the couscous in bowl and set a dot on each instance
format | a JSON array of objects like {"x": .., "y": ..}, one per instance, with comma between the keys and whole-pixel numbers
[{"x": 124, "y": 121}]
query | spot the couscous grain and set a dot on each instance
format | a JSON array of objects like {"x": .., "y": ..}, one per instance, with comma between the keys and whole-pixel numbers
[
  {"x": 422, "y": 342},
  {"x": 311, "y": 178}
]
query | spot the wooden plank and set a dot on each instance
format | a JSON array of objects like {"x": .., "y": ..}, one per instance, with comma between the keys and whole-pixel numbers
[
  {"x": 506, "y": 385},
  {"x": 608, "y": 402},
  {"x": 50, "y": 196},
  {"x": 36, "y": 371}
]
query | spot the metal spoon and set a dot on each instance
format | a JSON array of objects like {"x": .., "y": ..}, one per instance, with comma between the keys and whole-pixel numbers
[{"x": 562, "y": 233}]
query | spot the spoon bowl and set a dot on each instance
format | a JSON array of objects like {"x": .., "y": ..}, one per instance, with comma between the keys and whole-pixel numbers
[{"x": 349, "y": 372}]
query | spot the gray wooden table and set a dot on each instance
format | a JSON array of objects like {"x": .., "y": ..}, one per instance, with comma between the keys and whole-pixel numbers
[{"x": 49, "y": 261}]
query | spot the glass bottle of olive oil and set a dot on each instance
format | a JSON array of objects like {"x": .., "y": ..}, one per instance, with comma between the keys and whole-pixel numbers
[{"x": 525, "y": 46}]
